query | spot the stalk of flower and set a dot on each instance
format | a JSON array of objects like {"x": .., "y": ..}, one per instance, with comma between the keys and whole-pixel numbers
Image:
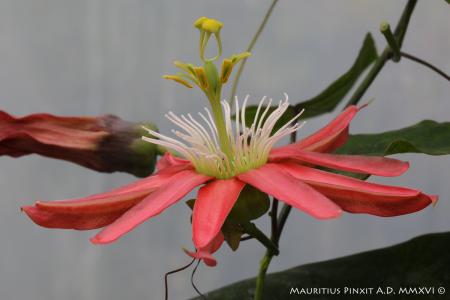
[{"x": 224, "y": 155}]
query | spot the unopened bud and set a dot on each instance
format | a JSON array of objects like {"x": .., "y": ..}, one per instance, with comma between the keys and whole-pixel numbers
[{"x": 105, "y": 144}]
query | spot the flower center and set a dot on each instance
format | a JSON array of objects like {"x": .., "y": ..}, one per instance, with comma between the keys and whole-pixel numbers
[{"x": 250, "y": 144}]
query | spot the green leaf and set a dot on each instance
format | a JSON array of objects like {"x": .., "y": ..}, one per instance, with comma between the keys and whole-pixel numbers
[
  {"x": 416, "y": 263},
  {"x": 232, "y": 233},
  {"x": 428, "y": 137},
  {"x": 250, "y": 205},
  {"x": 190, "y": 203},
  {"x": 327, "y": 100}
]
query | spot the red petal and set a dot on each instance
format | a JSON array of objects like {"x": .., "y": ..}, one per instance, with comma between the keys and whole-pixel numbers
[
  {"x": 168, "y": 160},
  {"x": 94, "y": 211},
  {"x": 214, "y": 202},
  {"x": 91, "y": 206},
  {"x": 82, "y": 133},
  {"x": 65, "y": 221},
  {"x": 376, "y": 165},
  {"x": 117, "y": 199},
  {"x": 176, "y": 188},
  {"x": 358, "y": 196},
  {"x": 205, "y": 253},
  {"x": 274, "y": 181},
  {"x": 330, "y": 137}
]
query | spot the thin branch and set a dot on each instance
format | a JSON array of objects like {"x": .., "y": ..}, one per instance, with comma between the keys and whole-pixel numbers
[
  {"x": 246, "y": 238},
  {"x": 273, "y": 218},
  {"x": 166, "y": 286},
  {"x": 424, "y": 63},
  {"x": 250, "y": 48},
  {"x": 192, "y": 280},
  {"x": 252, "y": 230},
  {"x": 284, "y": 214},
  {"x": 399, "y": 34},
  {"x": 385, "y": 29}
]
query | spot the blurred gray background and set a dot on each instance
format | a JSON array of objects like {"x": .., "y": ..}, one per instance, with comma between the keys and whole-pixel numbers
[{"x": 90, "y": 57}]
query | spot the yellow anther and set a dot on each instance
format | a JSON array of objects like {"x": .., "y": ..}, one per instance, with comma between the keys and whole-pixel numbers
[
  {"x": 229, "y": 63},
  {"x": 178, "y": 79},
  {"x": 198, "y": 23},
  {"x": 201, "y": 77},
  {"x": 225, "y": 72},
  {"x": 188, "y": 68},
  {"x": 210, "y": 25},
  {"x": 238, "y": 57}
]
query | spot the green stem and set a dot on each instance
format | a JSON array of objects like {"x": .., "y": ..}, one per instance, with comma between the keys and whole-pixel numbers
[
  {"x": 390, "y": 39},
  {"x": 263, "y": 266},
  {"x": 425, "y": 63},
  {"x": 273, "y": 216},
  {"x": 249, "y": 49},
  {"x": 267, "y": 258},
  {"x": 402, "y": 25},
  {"x": 376, "y": 68},
  {"x": 252, "y": 230},
  {"x": 284, "y": 214},
  {"x": 399, "y": 35}
]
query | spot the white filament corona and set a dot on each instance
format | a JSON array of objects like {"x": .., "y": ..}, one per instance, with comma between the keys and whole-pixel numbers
[{"x": 250, "y": 146}]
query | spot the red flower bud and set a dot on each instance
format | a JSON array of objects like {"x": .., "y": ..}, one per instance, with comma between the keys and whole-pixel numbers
[{"x": 105, "y": 143}]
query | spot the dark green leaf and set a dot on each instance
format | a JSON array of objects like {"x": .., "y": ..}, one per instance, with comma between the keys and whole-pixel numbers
[
  {"x": 232, "y": 233},
  {"x": 422, "y": 261},
  {"x": 327, "y": 100},
  {"x": 428, "y": 137},
  {"x": 335, "y": 92},
  {"x": 250, "y": 205},
  {"x": 190, "y": 203}
]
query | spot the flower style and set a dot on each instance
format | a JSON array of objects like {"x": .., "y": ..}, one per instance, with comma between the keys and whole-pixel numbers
[{"x": 287, "y": 173}]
